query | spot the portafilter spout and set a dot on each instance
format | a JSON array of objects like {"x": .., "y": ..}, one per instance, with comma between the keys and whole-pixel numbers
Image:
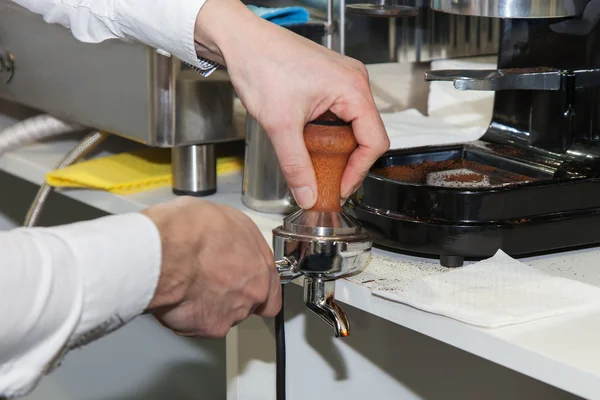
[{"x": 324, "y": 243}]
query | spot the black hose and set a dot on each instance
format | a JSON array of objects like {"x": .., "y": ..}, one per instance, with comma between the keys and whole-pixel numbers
[{"x": 280, "y": 351}]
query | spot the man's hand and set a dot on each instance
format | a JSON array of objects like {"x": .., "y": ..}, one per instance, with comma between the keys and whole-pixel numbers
[
  {"x": 216, "y": 269},
  {"x": 285, "y": 81}
]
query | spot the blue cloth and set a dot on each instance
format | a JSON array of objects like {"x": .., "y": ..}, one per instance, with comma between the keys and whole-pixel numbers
[{"x": 283, "y": 16}]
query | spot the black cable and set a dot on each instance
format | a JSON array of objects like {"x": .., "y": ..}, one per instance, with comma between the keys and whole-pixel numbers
[{"x": 280, "y": 351}]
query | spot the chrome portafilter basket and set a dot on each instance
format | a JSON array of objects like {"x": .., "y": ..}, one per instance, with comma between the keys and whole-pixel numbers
[{"x": 321, "y": 247}]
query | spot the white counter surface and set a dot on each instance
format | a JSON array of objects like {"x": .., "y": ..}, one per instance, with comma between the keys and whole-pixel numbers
[{"x": 561, "y": 351}]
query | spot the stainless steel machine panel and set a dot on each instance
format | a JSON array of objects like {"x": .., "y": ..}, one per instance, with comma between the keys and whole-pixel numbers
[
  {"x": 429, "y": 36},
  {"x": 511, "y": 8},
  {"x": 123, "y": 88}
]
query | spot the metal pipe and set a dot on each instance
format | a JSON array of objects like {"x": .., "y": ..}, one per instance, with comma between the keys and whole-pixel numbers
[
  {"x": 36, "y": 128},
  {"x": 89, "y": 143},
  {"x": 342, "y": 26},
  {"x": 392, "y": 39},
  {"x": 330, "y": 24}
]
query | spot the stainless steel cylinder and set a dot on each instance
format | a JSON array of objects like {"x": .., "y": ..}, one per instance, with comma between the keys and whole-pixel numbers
[
  {"x": 264, "y": 187},
  {"x": 511, "y": 8},
  {"x": 194, "y": 170}
]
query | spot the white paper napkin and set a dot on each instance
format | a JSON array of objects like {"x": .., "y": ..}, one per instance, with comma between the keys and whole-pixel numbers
[
  {"x": 461, "y": 107},
  {"x": 454, "y": 116},
  {"x": 493, "y": 293},
  {"x": 409, "y": 128}
]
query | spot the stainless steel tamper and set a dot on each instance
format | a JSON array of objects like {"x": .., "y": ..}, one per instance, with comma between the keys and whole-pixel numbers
[{"x": 324, "y": 243}]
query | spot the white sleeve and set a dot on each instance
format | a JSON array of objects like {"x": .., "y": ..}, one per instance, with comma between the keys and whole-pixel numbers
[
  {"x": 65, "y": 286},
  {"x": 167, "y": 25}
]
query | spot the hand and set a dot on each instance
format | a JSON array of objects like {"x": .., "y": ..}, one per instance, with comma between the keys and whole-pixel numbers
[
  {"x": 216, "y": 268},
  {"x": 285, "y": 81}
]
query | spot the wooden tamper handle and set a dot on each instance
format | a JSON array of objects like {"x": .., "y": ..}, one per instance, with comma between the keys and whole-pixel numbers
[{"x": 329, "y": 141}]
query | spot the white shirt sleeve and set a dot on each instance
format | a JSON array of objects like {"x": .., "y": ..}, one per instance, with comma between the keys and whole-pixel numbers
[
  {"x": 167, "y": 25},
  {"x": 65, "y": 286}
]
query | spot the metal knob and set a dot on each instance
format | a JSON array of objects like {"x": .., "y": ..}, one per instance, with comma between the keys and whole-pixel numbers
[{"x": 7, "y": 65}]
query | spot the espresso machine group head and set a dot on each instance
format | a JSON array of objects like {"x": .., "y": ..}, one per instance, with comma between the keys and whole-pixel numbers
[
  {"x": 324, "y": 243},
  {"x": 531, "y": 184}
]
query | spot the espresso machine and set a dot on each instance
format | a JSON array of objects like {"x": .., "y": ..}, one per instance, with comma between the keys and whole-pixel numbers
[
  {"x": 531, "y": 184},
  {"x": 126, "y": 89}
]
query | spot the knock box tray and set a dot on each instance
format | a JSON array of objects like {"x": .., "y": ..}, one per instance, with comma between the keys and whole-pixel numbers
[{"x": 472, "y": 199}]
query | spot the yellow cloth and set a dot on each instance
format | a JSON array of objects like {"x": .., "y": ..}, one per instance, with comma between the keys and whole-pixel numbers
[{"x": 128, "y": 173}]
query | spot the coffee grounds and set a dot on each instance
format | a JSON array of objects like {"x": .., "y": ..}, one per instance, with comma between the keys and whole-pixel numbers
[
  {"x": 504, "y": 149},
  {"x": 465, "y": 178},
  {"x": 457, "y": 178},
  {"x": 417, "y": 173}
]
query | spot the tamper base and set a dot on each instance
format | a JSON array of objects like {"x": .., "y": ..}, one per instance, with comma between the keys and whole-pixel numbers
[{"x": 318, "y": 223}]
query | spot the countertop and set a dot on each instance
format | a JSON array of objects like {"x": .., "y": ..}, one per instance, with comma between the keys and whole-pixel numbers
[{"x": 560, "y": 351}]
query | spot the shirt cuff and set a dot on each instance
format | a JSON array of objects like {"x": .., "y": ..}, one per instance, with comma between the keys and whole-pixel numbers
[
  {"x": 45, "y": 289},
  {"x": 119, "y": 259},
  {"x": 165, "y": 25}
]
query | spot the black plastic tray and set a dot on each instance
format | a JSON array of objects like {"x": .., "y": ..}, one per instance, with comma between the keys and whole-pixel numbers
[
  {"x": 482, "y": 205},
  {"x": 526, "y": 218},
  {"x": 452, "y": 243}
]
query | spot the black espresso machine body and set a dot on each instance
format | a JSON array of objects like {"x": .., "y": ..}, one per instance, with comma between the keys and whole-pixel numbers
[{"x": 531, "y": 184}]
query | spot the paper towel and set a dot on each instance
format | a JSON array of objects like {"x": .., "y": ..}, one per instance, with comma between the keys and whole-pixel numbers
[
  {"x": 410, "y": 128},
  {"x": 493, "y": 293},
  {"x": 454, "y": 116},
  {"x": 461, "y": 107}
]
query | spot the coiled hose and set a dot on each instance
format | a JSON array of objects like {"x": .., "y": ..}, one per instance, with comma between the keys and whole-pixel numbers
[
  {"x": 89, "y": 143},
  {"x": 32, "y": 129}
]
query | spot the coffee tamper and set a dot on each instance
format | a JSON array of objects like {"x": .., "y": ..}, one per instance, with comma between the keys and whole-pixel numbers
[{"x": 324, "y": 243}]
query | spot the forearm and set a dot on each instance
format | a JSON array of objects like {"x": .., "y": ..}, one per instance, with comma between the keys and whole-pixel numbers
[{"x": 63, "y": 287}]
